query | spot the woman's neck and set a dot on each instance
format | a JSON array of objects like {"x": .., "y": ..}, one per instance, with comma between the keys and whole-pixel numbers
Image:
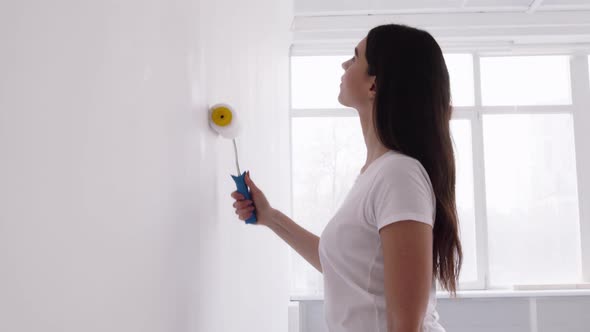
[{"x": 375, "y": 148}]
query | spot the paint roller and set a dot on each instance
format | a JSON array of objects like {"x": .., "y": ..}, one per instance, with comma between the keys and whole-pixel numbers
[{"x": 224, "y": 121}]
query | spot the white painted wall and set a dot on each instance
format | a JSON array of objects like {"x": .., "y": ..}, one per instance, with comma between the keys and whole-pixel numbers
[
  {"x": 245, "y": 268},
  {"x": 115, "y": 212}
]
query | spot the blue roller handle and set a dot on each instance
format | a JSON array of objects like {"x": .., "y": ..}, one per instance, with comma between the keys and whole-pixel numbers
[{"x": 243, "y": 189}]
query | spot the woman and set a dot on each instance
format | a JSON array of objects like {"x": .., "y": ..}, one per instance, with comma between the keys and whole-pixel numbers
[{"x": 397, "y": 230}]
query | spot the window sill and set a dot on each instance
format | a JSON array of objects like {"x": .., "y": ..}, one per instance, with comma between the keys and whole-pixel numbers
[
  {"x": 488, "y": 293},
  {"x": 496, "y": 293}
]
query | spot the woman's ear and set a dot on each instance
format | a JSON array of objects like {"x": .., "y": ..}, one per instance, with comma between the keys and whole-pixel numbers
[{"x": 373, "y": 91}]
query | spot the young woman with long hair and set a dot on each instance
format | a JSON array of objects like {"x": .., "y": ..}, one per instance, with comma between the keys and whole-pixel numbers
[{"x": 397, "y": 231}]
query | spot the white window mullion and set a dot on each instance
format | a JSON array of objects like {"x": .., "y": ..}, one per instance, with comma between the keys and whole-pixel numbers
[
  {"x": 323, "y": 112},
  {"x": 460, "y": 112},
  {"x": 536, "y": 109},
  {"x": 481, "y": 233},
  {"x": 467, "y": 113},
  {"x": 581, "y": 100}
]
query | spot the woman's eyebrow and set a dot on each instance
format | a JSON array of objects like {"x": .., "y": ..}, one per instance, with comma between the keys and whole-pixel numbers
[{"x": 356, "y": 52}]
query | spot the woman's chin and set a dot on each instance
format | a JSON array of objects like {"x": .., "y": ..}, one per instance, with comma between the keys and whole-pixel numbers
[{"x": 341, "y": 101}]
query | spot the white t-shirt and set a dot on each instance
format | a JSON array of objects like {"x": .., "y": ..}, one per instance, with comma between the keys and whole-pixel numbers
[{"x": 394, "y": 187}]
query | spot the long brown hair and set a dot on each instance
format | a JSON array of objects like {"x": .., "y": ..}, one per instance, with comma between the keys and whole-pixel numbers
[{"x": 412, "y": 113}]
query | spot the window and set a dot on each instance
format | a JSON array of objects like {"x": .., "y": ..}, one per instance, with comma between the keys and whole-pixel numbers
[
  {"x": 315, "y": 81},
  {"x": 514, "y": 146},
  {"x": 328, "y": 153},
  {"x": 525, "y": 80},
  {"x": 460, "y": 68},
  {"x": 464, "y": 193},
  {"x": 532, "y": 199}
]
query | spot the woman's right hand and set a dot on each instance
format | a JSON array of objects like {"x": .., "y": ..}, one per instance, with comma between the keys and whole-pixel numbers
[{"x": 259, "y": 203}]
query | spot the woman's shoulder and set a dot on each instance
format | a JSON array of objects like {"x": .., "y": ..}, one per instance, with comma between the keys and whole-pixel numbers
[
  {"x": 398, "y": 162},
  {"x": 398, "y": 168}
]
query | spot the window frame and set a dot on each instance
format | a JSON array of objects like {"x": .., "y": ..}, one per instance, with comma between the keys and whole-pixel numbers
[{"x": 579, "y": 108}]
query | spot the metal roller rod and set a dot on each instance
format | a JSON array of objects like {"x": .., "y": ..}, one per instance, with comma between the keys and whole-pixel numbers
[{"x": 236, "y": 152}]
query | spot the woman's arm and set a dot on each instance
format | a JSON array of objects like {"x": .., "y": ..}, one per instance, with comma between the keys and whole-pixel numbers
[
  {"x": 407, "y": 254},
  {"x": 304, "y": 242}
]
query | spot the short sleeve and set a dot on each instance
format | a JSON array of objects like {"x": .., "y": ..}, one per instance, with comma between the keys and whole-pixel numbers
[{"x": 401, "y": 191}]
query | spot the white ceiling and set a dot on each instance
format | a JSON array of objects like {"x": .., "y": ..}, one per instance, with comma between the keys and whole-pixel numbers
[
  {"x": 457, "y": 24},
  {"x": 336, "y": 7}
]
